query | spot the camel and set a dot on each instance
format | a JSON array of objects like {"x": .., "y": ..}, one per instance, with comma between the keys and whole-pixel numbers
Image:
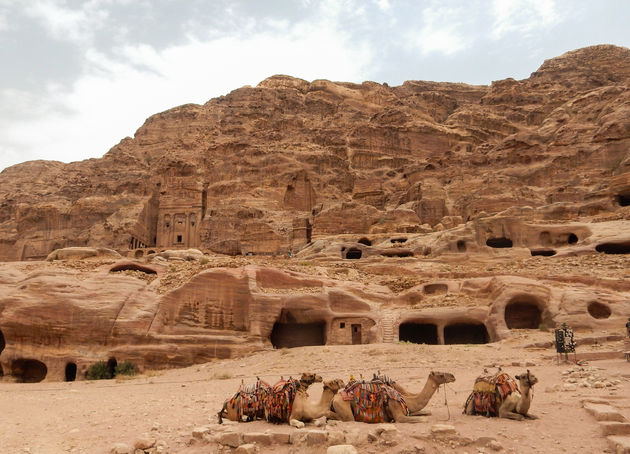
[
  {"x": 279, "y": 402},
  {"x": 394, "y": 409},
  {"x": 303, "y": 410},
  {"x": 417, "y": 401},
  {"x": 248, "y": 401},
  {"x": 514, "y": 405}
]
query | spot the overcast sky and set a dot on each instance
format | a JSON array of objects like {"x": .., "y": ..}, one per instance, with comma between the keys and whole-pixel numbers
[{"x": 78, "y": 76}]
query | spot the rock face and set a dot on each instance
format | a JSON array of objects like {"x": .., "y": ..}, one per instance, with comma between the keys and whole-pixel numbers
[
  {"x": 433, "y": 213},
  {"x": 265, "y": 169}
]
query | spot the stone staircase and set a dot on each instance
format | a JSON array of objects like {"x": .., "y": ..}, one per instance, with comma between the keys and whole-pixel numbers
[
  {"x": 388, "y": 322},
  {"x": 613, "y": 424}
]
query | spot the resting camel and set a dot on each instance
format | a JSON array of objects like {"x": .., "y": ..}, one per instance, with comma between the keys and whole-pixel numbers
[
  {"x": 417, "y": 401},
  {"x": 394, "y": 409},
  {"x": 279, "y": 402},
  {"x": 248, "y": 401},
  {"x": 516, "y": 404},
  {"x": 303, "y": 410}
]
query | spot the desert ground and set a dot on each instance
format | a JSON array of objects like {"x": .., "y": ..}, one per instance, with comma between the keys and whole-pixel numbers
[{"x": 167, "y": 407}]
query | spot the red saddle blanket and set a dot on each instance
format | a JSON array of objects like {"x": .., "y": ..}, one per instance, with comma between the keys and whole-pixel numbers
[
  {"x": 489, "y": 392},
  {"x": 249, "y": 400},
  {"x": 279, "y": 401},
  {"x": 369, "y": 400}
]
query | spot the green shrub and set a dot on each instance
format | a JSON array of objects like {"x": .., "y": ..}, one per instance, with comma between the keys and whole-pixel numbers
[
  {"x": 98, "y": 371},
  {"x": 126, "y": 368}
]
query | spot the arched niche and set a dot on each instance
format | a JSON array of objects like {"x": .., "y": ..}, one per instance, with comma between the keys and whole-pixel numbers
[
  {"x": 623, "y": 199},
  {"x": 418, "y": 333},
  {"x": 466, "y": 333},
  {"x": 289, "y": 335},
  {"x": 139, "y": 254},
  {"x": 353, "y": 254},
  {"x": 28, "y": 370},
  {"x": 365, "y": 241},
  {"x": 599, "y": 310},
  {"x": 523, "y": 313},
  {"x": 572, "y": 238},
  {"x": 461, "y": 246}
]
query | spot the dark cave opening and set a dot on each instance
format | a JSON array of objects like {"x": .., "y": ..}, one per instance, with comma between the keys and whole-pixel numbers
[
  {"x": 132, "y": 267},
  {"x": 418, "y": 333},
  {"x": 598, "y": 310},
  {"x": 365, "y": 241},
  {"x": 614, "y": 248},
  {"x": 289, "y": 335},
  {"x": 28, "y": 370},
  {"x": 71, "y": 371},
  {"x": 623, "y": 199},
  {"x": 466, "y": 333},
  {"x": 398, "y": 240},
  {"x": 461, "y": 246},
  {"x": 499, "y": 242},
  {"x": 397, "y": 253},
  {"x": 353, "y": 254},
  {"x": 111, "y": 367},
  {"x": 522, "y": 315},
  {"x": 572, "y": 238}
]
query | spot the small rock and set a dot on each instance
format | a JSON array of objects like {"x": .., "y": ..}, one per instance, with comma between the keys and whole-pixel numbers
[
  {"x": 342, "y": 449},
  {"x": 144, "y": 443},
  {"x": 232, "y": 439},
  {"x": 248, "y": 448},
  {"x": 443, "y": 429},
  {"x": 494, "y": 445},
  {"x": 120, "y": 448},
  {"x": 199, "y": 432}
]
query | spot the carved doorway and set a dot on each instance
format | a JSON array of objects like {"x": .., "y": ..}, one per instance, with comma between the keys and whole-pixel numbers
[{"x": 356, "y": 334}]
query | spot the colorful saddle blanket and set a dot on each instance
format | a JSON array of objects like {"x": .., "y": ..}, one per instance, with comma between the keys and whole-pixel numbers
[
  {"x": 489, "y": 392},
  {"x": 279, "y": 402},
  {"x": 249, "y": 400},
  {"x": 370, "y": 400}
]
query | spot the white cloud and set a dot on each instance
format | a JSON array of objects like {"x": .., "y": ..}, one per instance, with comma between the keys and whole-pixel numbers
[
  {"x": 117, "y": 93},
  {"x": 522, "y": 16},
  {"x": 439, "y": 32},
  {"x": 383, "y": 5},
  {"x": 67, "y": 24}
]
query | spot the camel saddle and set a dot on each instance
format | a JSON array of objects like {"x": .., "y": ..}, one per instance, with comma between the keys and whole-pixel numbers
[
  {"x": 489, "y": 392},
  {"x": 279, "y": 401},
  {"x": 249, "y": 400},
  {"x": 370, "y": 400}
]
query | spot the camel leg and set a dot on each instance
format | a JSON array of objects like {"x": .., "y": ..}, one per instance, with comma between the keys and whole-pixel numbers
[
  {"x": 295, "y": 423},
  {"x": 331, "y": 415},
  {"x": 421, "y": 413},
  {"x": 511, "y": 415},
  {"x": 396, "y": 412},
  {"x": 529, "y": 416},
  {"x": 470, "y": 406},
  {"x": 343, "y": 410}
]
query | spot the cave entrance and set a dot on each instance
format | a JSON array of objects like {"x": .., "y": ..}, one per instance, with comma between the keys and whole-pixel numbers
[
  {"x": 522, "y": 315},
  {"x": 353, "y": 254},
  {"x": 289, "y": 335},
  {"x": 466, "y": 333},
  {"x": 365, "y": 241},
  {"x": 623, "y": 199},
  {"x": 2, "y": 342},
  {"x": 499, "y": 242},
  {"x": 71, "y": 371},
  {"x": 461, "y": 246},
  {"x": 572, "y": 238},
  {"x": 111, "y": 367},
  {"x": 139, "y": 254},
  {"x": 418, "y": 333},
  {"x": 614, "y": 248},
  {"x": 28, "y": 370},
  {"x": 598, "y": 310},
  {"x": 397, "y": 253}
]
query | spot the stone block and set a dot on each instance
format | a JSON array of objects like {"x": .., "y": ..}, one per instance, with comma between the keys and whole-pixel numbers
[
  {"x": 257, "y": 437},
  {"x": 619, "y": 444},
  {"x": 144, "y": 443},
  {"x": 316, "y": 437},
  {"x": 120, "y": 448},
  {"x": 443, "y": 429},
  {"x": 615, "y": 428},
  {"x": 199, "y": 432},
  {"x": 602, "y": 412},
  {"x": 232, "y": 439},
  {"x": 279, "y": 438},
  {"x": 336, "y": 437}
]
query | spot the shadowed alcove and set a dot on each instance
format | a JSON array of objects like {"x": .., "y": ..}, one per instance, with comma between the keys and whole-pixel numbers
[
  {"x": 461, "y": 246},
  {"x": 71, "y": 371},
  {"x": 418, "y": 333},
  {"x": 614, "y": 248},
  {"x": 523, "y": 313},
  {"x": 287, "y": 332},
  {"x": 466, "y": 333},
  {"x": 132, "y": 267},
  {"x": 365, "y": 241},
  {"x": 623, "y": 199},
  {"x": 543, "y": 252},
  {"x": 111, "y": 367},
  {"x": 598, "y": 310},
  {"x": 28, "y": 370},
  {"x": 353, "y": 254},
  {"x": 2, "y": 345},
  {"x": 499, "y": 242}
]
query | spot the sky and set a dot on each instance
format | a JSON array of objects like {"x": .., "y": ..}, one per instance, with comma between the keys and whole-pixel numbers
[{"x": 76, "y": 76}]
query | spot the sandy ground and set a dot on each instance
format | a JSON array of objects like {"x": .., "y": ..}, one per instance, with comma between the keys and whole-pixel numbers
[{"x": 89, "y": 417}]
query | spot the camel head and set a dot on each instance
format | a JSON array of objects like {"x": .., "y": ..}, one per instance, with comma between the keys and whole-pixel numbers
[
  {"x": 308, "y": 378},
  {"x": 441, "y": 377},
  {"x": 527, "y": 379},
  {"x": 334, "y": 385}
]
